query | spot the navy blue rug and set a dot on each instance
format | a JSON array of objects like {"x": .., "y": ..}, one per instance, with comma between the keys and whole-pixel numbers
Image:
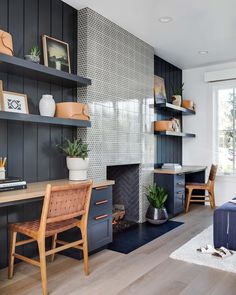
[{"x": 139, "y": 235}]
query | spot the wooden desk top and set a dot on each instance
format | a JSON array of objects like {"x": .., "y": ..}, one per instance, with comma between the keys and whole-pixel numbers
[
  {"x": 184, "y": 170},
  {"x": 37, "y": 190}
]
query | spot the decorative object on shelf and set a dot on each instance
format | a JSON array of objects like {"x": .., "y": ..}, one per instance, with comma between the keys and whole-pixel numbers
[
  {"x": 13, "y": 102},
  {"x": 72, "y": 110},
  {"x": 47, "y": 105},
  {"x": 157, "y": 196},
  {"x": 76, "y": 158},
  {"x": 177, "y": 95},
  {"x": 159, "y": 90},
  {"x": 2, "y": 168},
  {"x": 176, "y": 126},
  {"x": 56, "y": 54},
  {"x": 165, "y": 125},
  {"x": 34, "y": 55},
  {"x": 6, "y": 44},
  {"x": 188, "y": 104}
]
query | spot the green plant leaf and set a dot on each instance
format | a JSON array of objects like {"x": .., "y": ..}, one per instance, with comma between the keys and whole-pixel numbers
[
  {"x": 156, "y": 196},
  {"x": 74, "y": 149}
]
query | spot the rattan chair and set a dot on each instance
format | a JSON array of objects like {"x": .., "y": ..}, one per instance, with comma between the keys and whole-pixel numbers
[
  {"x": 61, "y": 205},
  {"x": 209, "y": 187}
]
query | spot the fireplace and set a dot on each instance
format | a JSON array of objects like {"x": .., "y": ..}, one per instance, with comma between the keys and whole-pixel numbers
[{"x": 125, "y": 195}]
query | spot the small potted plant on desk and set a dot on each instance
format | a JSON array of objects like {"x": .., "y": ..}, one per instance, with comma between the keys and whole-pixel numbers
[
  {"x": 76, "y": 158},
  {"x": 157, "y": 196}
]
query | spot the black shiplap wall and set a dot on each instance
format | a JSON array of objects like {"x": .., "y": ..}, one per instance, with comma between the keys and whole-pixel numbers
[
  {"x": 168, "y": 149},
  {"x": 30, "y": 147}
]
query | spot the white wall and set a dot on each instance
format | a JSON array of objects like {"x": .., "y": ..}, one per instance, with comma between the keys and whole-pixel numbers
[{"x": 198, "y": 151}]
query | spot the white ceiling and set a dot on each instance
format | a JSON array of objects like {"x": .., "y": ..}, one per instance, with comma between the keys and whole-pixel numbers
[{"x": 197, "y": 25}]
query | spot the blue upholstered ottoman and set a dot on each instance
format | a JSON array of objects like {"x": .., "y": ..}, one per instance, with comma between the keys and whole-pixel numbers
[{"x": 225, "y": 226}]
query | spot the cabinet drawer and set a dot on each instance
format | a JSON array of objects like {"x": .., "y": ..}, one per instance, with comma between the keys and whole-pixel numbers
[
  {"x": 101, "y": 202},
  {"x": 100, "y": 233},
  {"x": 179, "y": 201},
  {"x": 179, "y": 182}
]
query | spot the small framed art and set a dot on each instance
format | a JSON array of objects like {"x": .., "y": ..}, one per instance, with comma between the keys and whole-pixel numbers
[
  {"x": 159, "y": 90},
  {"x": 14, "y": 102},
  {"x": 56, "y": 54}
]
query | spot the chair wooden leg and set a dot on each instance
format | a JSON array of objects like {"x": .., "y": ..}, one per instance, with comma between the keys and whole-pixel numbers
[
  {"x": 188, "y": 199},
  {"x": 11, "y": 254},
  {"x": 213, "y": 198},
  {"x": 54, "y": 238},
  {"x": 85, "y": 251},
  {"x": 42, "y": 257}
]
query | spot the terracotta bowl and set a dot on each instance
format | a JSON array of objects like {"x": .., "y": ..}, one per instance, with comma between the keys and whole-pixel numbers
[
  {"x": 188, "y": 104},
  {"x": 72, "y": 110},
  {"x": 163, "y": 125}
]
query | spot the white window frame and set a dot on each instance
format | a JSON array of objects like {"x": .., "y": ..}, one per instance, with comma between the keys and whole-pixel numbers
[{"x": 216, "y": 86}]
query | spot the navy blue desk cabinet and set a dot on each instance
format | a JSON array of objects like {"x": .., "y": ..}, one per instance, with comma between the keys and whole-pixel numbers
[
  {"x": 174, "y": 183},
  {"x": 100, "y": 218}
]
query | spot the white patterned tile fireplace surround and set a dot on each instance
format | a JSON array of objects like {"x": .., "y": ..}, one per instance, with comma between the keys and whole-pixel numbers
[{"x": 121, "y": 68}]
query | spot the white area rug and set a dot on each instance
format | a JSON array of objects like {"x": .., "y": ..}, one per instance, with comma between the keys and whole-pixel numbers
[{"x": 188, "y": 253}]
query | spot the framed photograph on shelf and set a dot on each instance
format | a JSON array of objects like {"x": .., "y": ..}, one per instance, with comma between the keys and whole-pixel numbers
[
  {"x": 159, "y": 90},
  {"x": 14, "y": 102},
  {"x": 56, "y": 54}
]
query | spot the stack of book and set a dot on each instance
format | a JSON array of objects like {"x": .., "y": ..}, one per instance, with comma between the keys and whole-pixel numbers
[
  {"x": 171, "y": 166},
  {"x": 12, "y": 183}
]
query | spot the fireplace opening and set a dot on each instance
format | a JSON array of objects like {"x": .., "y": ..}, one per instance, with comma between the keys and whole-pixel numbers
[{"x": 125, "y": 195}]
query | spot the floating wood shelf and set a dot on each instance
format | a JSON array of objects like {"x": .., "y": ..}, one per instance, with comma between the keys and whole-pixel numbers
[
  {"x": 173, "y": 133},
  {"x": 172, "y": 108},
  {"x": 18, "y": 66},
  {"x": 43, "y": 120}
]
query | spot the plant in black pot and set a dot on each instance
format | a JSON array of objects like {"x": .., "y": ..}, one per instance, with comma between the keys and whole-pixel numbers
[{"x": 157, "y": 196}]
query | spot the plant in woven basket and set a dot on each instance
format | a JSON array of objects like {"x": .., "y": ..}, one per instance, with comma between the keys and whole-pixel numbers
[
  {"x": 157, "y": 197},
  {"x": 77, "y": 160}
]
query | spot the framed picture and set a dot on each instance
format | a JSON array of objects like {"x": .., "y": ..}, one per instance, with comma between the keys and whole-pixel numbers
[
  {"x": 159, "y": 90},
  {"x": 56, "y": 54},
  {"x": 14, "y": 102}
]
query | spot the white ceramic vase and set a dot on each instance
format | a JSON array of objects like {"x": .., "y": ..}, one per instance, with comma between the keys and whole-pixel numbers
[
  {"x": 77, "y": 168},
  {"x": 47, "y": 106},
  {"x": 177, "y": 100}
]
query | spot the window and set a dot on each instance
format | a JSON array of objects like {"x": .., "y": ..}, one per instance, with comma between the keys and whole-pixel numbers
[{"x": 224, "y": 101}]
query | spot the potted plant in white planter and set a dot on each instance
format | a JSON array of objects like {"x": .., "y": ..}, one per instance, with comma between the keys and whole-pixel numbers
[
  {"x": 76, "y": 158},
  {"x": 34, "y": 55},
  {"x": 177, "y": 95},
  {"x": 157, "y": 196}
]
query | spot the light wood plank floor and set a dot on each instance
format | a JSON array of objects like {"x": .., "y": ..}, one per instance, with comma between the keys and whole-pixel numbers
[{"x": 146, "y": 271}]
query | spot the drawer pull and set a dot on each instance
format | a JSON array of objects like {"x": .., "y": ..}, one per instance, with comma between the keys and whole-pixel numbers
[
  {"x": 101, "y": 187},
  {"x": 180, "y": 193},
  {"x": 101, "y": 202},
  {"x": 100, "y": 216},
  {"x": 180, "y": 183}
]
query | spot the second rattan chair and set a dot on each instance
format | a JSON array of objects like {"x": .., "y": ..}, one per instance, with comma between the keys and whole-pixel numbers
[{"x": 209, "y": 187}]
